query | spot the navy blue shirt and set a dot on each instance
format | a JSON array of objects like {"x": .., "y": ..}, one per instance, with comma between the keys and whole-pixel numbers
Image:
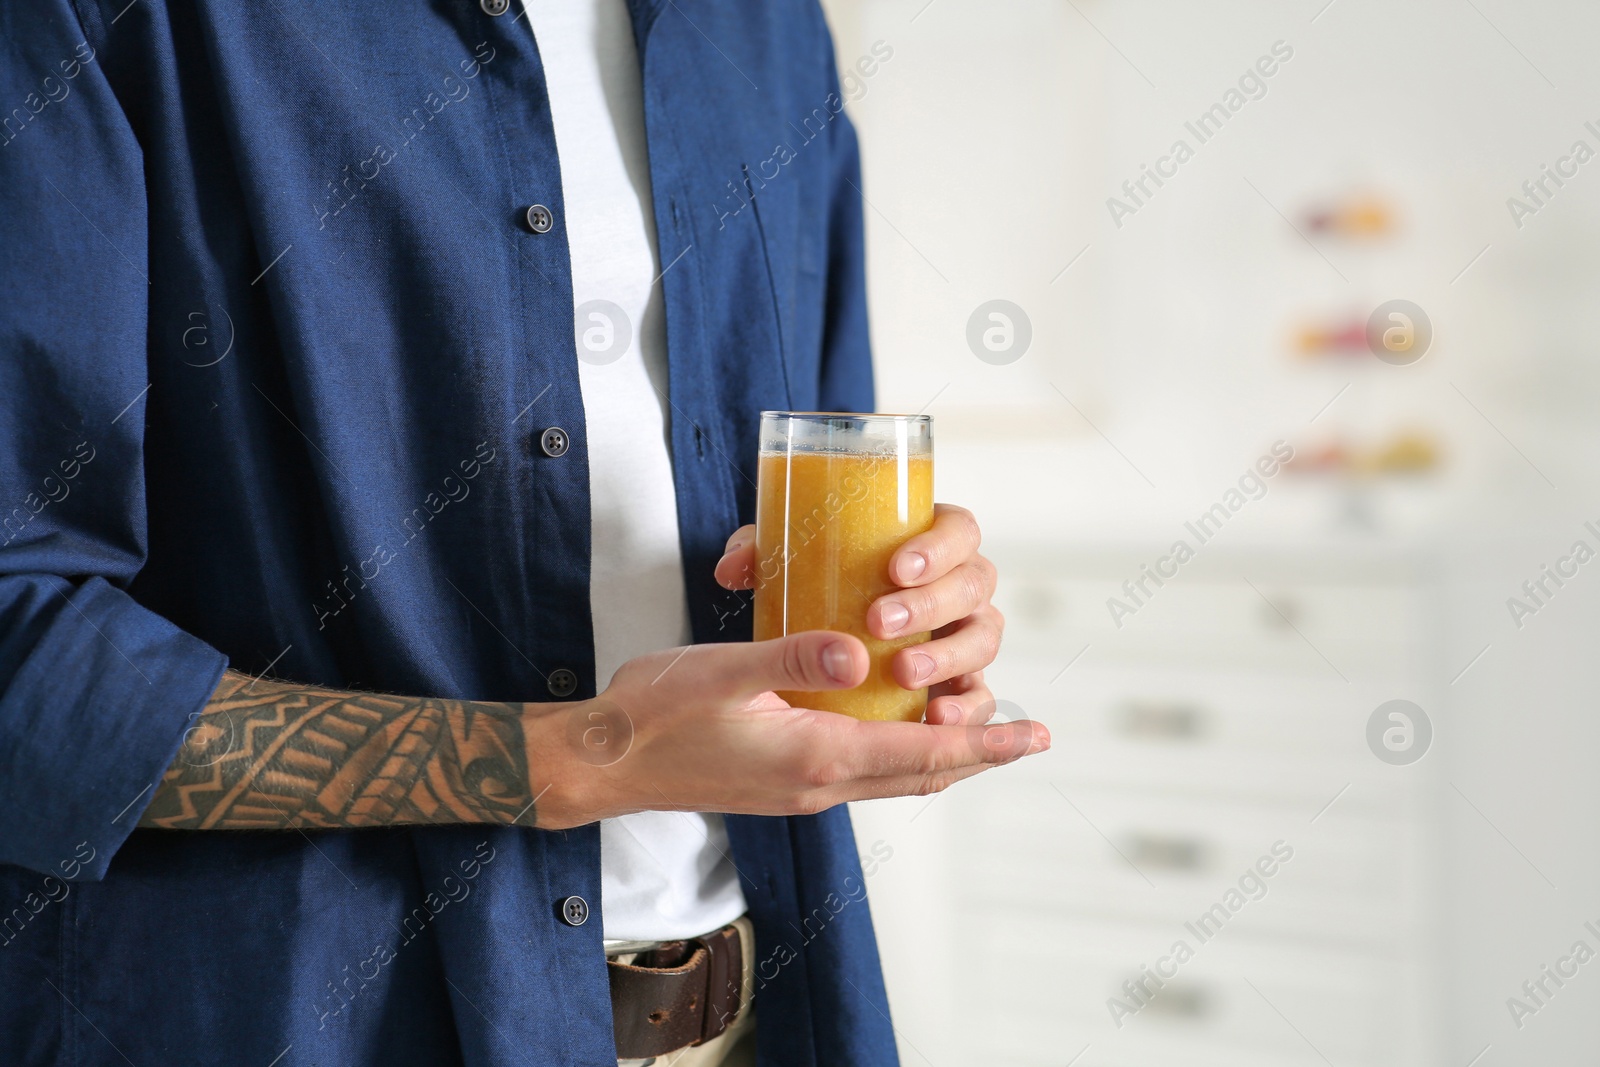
[{"x": 277, "y": 348}]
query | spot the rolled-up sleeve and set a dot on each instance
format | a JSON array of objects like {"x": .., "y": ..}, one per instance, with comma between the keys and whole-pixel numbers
[{"x": 95, "y": 689}]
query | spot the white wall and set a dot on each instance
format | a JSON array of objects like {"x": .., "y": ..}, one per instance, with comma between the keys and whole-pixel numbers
[{"x": 1162, "y": 364}]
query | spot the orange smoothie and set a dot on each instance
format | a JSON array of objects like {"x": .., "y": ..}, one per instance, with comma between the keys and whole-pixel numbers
[{"x": 826, "y": 525}]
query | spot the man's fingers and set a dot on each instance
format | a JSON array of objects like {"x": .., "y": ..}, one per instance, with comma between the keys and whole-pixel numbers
[
  {"x": 938, "y": 603},
  {"x": 809, "y": 662},
  {"x": 912, "y": 785},
  {"x": 970, "y": 645},
  {"x": 736, "y": 569},
  {"x": 953, "y": 538},
  {"x": 978, "y": 748},
  {"x": 894, "y": 749},
  {"x": 744, "y": 535},
  {"x": 971, "y": 706},
  {"x": 961, "y": 683}
]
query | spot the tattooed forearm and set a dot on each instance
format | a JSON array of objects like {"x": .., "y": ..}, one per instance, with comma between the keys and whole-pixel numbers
[{"x": 272, "y": 755}]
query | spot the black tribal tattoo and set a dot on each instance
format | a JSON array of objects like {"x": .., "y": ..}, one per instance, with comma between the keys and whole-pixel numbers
[{"x": 268, "y": 755}]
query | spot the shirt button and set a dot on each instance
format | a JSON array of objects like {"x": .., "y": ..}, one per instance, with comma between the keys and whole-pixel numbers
[
  {"x": 495, "y": 7},
  {"x": 554, "y": 442},
  {"x": 562, "y": 683},
  {"x": 539, "y": 218},
  {"x": 574, "y": 911}
]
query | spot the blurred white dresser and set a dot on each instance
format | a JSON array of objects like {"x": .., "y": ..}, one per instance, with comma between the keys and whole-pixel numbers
[{"x": 1228, "y": 714}]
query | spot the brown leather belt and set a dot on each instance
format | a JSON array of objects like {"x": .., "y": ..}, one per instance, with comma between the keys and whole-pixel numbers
[{"x": 677, "y": 994}]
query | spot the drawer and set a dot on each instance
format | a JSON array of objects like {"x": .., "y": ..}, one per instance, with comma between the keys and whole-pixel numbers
[
  {"x": 1290, "y": 739},
  {"x": 1032, "y": 981},
  {"x": 1351, "y": 880},
  {"x": 1293, "y": 628},
  {"x": 1159, "y": 707}
]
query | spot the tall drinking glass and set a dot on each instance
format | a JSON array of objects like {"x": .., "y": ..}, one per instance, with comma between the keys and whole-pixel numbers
[{"x": 837, "y": 494}]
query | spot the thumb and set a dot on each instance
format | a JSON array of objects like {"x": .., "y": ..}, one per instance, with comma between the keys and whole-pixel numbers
[{"x": 810, "y": 661}]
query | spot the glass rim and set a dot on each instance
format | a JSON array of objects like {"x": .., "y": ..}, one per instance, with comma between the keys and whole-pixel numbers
[{"x": 841, "y": 416}]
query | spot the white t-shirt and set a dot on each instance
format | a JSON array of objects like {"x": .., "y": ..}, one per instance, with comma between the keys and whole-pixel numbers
[{"x": 664, "y": 874}]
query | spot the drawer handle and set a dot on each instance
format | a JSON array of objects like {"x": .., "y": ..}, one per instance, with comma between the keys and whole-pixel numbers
[
  {"x": 1180, "y": 1001},
  {"x": 1160, "y": 852},
  {"x": 1161, "y": 720},
  {"x": 1281, "y": 613}
]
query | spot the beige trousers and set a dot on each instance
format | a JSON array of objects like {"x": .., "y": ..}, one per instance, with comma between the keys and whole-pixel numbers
[{"x": 735, "y": 1046}]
